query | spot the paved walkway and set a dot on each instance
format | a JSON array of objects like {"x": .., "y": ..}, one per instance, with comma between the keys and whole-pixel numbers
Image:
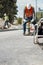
[{"x": 16, "y": 49}]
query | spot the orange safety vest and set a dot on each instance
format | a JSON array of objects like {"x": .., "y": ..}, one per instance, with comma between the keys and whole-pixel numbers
[{"x": 28, "y": 12}]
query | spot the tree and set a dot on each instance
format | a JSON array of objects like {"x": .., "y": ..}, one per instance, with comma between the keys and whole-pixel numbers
[{"x": 9, "y": 7}]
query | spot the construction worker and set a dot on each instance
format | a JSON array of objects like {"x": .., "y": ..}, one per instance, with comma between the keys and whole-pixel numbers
[
  {"x": 6, "y": 21},
  {"x": 28, "y": 15}
]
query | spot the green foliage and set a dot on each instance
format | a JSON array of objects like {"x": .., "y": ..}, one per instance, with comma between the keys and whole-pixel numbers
[
  {"x": 19, "y": 20},
  {"x": 9, "y": 7},
  {"x": 39, "y": 15}
]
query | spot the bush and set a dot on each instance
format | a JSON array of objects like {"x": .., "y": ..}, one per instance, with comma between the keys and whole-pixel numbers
[{"x": 19, "y": 20}]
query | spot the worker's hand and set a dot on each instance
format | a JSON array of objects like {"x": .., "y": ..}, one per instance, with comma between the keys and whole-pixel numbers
[{"x": 24, "y": 20}]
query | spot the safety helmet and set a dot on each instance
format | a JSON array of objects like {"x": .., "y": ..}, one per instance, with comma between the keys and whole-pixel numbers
[{"x": 28, "y": 6}]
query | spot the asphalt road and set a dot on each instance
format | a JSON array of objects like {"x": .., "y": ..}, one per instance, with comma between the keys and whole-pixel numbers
[{"x": 16, "y": 49}]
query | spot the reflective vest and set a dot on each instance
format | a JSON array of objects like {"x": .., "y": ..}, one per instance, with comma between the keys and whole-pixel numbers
[
  {"x": 6, "y": 18},
  {"x": 29, "y": 12}
]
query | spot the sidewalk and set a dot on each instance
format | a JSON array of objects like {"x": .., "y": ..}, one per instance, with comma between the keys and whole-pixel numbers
[{"x": 13, "y": 27}]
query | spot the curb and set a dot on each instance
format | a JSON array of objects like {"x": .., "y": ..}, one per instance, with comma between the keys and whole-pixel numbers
[{"x": 4, "y": 30}]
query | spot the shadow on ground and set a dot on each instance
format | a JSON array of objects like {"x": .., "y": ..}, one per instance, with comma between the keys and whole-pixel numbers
[{"x": 41, "y": 45}]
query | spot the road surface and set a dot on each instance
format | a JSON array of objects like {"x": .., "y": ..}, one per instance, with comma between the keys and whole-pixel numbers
[{"x": 16, "y": 49}]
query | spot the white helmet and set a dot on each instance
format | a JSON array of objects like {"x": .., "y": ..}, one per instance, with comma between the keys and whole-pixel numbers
[{"x": 28, "y": 6}]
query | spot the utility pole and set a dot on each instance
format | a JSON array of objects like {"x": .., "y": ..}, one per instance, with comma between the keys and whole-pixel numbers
[{"x": 36, "y": 9}]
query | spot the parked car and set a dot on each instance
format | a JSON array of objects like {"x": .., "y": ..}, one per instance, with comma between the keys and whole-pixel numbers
[{"x": 38, "y": 32}]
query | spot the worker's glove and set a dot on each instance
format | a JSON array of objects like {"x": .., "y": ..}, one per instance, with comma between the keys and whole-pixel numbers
[
  {"x": 24, "y": 20},
  {"x": 32, "y": 20}
]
